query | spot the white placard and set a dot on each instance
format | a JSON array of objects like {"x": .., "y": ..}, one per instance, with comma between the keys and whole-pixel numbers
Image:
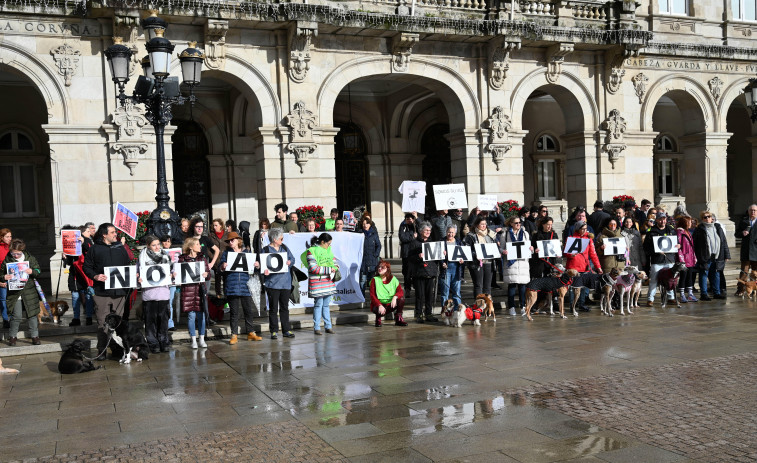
[
  {"x": 615, "y": 246},
  {"x": 275, "y": 262},
  {"x": 665, "y": 244},
  {"x": 487, "y": 251},
  {"x": 189, "y": 272},
  {"x": 575, "y": 245},
  {"x": 155, "y": 275},
  {"x": 120, "y": 277},
  {"x": 240, "y": 262},
  {"x": 433, "y": 250},
  {"x": 456, "y": 252},
  {"x": 517, "y": 250},
  {"x": 549, "y": 248},
  {"x": 487, "y": 202},
  {"x": 450, "y": 196}
]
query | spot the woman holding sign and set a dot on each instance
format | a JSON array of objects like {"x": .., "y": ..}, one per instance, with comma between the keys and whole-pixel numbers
[
  {"x": 541, "y": 266},
  {"x": 451, "y": 271},
  {"x": 278, "y": 287},
  {"x": 517, "y": 270},
  {"x": 155, "y": 298},
  {"x": 237, "y": 291},
  {"x": 192, "y": 295},
  {"x": 26, "y": 298},
  {"x": 582, "y": 242},
  {"x": 610, "y": 261},
  {"x": 481, "y": 267},
  {"x": 322, "y": 268}
]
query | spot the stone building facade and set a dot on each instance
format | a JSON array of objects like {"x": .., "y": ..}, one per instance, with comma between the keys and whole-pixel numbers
[{"x": 555, "y": 102}]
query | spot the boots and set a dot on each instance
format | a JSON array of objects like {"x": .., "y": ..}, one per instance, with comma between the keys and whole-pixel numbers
[
  {"x": 233, "y": 339},
  {"x": 398, "y": 320},
  {"x": 251, "y": 336},
  {"x": 201, "y": 342},
  {"x": 194, "y": 342},
  {"x": 378, "y": 320}
]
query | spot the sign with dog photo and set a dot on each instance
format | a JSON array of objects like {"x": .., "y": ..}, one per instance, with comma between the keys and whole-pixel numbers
[
  {"x": 665, "y": 244},
  {"x": 19, "y": 277},
  {"x": 240, "y": 262},
  {"x": 487, "y": 251},
  {"x": 549, "y": 248},
  {"x": 433, "y": 250},
  {"x": 188, "y": 273},
  {"x": 575, "y": 245},
  {"x": 156, "y": 275},
  {"x": 450, "y": 196},
  {"x": 120, "y": 277},
  {"x": 614, "y": 246},
  {"x": 517, "y": 250},
  {"x": 174, "y": 254},
  {"x": 457, "y": 253},
  {"x": 275, "y": 262}
]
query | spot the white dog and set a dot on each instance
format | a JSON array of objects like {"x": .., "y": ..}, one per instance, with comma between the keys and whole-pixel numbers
[{"x": 453, "y": 316}]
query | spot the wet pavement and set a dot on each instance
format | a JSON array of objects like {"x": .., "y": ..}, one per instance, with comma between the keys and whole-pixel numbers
[{"x": 673, "y": 385}]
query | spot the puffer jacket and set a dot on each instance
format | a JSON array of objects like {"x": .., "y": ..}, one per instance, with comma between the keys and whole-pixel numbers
[
  {"x": 28, "y": 293},
  {"x": 418, "y": 267},
  {"x": 371, "y": 251},
  {"x": 686, "y": 252},
  {"x": 190, "y": 294},
  {"x": 610, "y": 261},
  {"x": 636, "y": 256},
  {"x": 519, "y": 272},
  {"x": 234, "y": 283},
  {"x": 580, "y": 261}
]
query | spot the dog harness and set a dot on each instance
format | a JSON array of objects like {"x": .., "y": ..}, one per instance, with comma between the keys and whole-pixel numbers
[
  {"x": 549, "y": 284},
  {"x": 473, "y": 313}
]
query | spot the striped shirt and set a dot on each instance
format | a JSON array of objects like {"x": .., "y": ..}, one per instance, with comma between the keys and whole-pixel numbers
[{"x": 319, "y": 278}]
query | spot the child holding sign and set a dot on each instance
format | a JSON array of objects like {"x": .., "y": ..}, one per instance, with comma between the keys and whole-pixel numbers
[
  {"x": 155, "y": 298},
  {"x": 25, "y": 298}
]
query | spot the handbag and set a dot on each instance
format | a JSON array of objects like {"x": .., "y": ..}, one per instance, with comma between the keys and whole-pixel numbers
[
  {"x": 337, "y": 276},
  {"x": 294, "y": 294}
]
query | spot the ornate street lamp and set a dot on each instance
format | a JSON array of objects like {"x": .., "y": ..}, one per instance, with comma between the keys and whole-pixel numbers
[
  {"x": 750, "y": 92},
  {"x": 158, "y": 92}
]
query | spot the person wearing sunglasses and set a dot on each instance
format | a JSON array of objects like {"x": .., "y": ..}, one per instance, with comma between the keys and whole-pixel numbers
[
  {"x": 517, "y": 272},
  {"x": 712, "y": 251}
]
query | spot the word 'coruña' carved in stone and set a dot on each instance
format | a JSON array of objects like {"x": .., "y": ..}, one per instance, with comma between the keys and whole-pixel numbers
[
  {"x": 301, "y": 35},
  {"x": 215, "y": 43},
  {"x": 301, "y": 122},
  {"x": 615, "y": 125},
  {"x": 555, "y": 57},
  {"x": 499, "y": 60},
  {"x": 402, "y": 48},
  {"x": 498, "y": 136},
  {"x": 67, "y": 61}
]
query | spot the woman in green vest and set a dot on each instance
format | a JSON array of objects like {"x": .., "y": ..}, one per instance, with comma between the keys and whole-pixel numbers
[{"x": 387, "y": 295}]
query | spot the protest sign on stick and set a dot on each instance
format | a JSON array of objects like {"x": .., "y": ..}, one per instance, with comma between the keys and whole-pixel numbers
[{"x": 125, "y": 220}]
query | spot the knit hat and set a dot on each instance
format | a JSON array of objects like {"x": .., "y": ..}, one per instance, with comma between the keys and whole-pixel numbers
[
  {"x": 578, "y": 225},
  {"x": 661, "y": 215}
]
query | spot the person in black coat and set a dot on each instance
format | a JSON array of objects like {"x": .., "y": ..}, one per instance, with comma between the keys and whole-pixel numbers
[
  {"x": 747, "y": 232},
  {"x": 407, "y": 234},
  {"x": 424, "y": 274},
  {"x": 712, "y": 251},
  {"x": 597, "y": 218},
  {"x": 371, "y": 252},
  {"x": 540, "y": 266}
]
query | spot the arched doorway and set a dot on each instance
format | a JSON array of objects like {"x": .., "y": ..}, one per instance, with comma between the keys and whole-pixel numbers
[
  {"x": 351, "y": 168},
  {"x": 437, "y": 166},
  {"x": 191, "y": 171}
]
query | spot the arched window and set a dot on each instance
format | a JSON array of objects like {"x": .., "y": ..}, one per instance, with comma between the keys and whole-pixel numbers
[
  {"x": 18, "y": 179},
  {"x": 547, "y": 167},
  {"x": 667, "y": 162}
]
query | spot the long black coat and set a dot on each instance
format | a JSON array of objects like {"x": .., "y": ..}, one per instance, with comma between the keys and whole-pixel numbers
[
  {"x": 371, "y": 251},
  {"x": 539, "y": 268},
  {"x": 749, "y": 242},
  {"x": 700, "y": 247},
  {"x": 418, "y": 267},
  {"x": 406, "y": 235}
]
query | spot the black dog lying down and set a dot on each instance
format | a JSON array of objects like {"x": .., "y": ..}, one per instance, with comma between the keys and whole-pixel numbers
[
  {"x": 133, "y": 345},
  {"x": 72, "y": 361}
]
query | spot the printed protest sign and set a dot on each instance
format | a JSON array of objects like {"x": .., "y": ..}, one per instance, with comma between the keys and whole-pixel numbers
[
  {"x": 517, "y": 250},
  {"x": 125, "y": 220},
  {"x": 174, "y": 254},
  {"x": 450, "y": 196},
  {"x": 487, "y": 202},
  {"x": 71, "y": 243},
  {"x": 120, "y": 277},
  {"x": 487, "y": 251},
  {"x": 615, "y": 246},
  {"x": 413, "y": 196},
  {"x": 19, "y": 276},
  {"x": 349, "y": 221},
  {"x": 240, "y": 262},
  {"x": 456, "y": 252},
  {"x": 189, "y": 272},
  {"x": 665, "y": 243},
  {"x": 433, "y": 250},
  {"x": 155, "y": 275},
  {"x": 574, "y": 245},
  {"x": 549, "y": 248},
  {"x": 275, "y": 262}
]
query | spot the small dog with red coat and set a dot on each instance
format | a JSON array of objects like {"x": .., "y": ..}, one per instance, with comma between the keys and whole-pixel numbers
[{"x": 667, "y": 280}]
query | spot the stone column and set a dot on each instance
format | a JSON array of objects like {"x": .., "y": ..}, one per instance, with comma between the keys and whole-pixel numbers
[
  {"x": 581, "y": 168},
  {"x": 269, "y": 159},
  {"x": 467, "y": 166},
  {"x": 637, "y": 165}
]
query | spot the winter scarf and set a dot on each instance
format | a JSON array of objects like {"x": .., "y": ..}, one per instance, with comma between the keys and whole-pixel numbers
[{"x": 713, "y": 240}]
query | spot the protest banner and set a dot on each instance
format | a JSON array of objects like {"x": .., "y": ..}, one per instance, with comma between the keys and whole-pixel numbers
[
  {"x": 433, "y": 250},
  {"x": 18, "y": 271},
  {"x": 574, "y": 245},
  {"x": 487, "y": 251},
  {"x": 487, "y": 202},
  {"x": 174, "y": 254},
  {"x": 517, "y": 250},
  {"x": 125, "y": 220},
  {"x": 665, "y": 243},
  {"x": 120, "y": 277},
  {"x": 450, "y": 196},
  {"x": 456, "y": 252},
  {"x": 71, "y": 243},
  {"x": 549, "y": 248},
  {"x": 240, "y": 262},
  {"x": 189, "y": 272},
  {"x": 275, "y": 262},
  {"x": 155, "y": 275},
  {"x": 614, "y": 246}
]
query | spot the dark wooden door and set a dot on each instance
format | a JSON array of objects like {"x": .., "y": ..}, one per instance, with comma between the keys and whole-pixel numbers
[
  {"x": 437, "y": 168},
  {"x": 191, "y": 171}
]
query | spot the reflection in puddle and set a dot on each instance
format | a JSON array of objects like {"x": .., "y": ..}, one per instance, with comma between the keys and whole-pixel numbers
[{"x": 457, "y": 415}]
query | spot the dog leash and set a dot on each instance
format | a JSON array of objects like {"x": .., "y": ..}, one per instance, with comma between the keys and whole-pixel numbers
[{"x": 110, "y": 338}]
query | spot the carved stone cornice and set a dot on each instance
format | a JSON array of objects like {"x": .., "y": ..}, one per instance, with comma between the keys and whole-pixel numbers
[
  {"x": 66, "y": 61},
  {"x": 555, "y": 57},
  {"x": 499, "y": 60},
  {"x": 131, "y": 154},
  {"x": 301, "y": 35},
  {"x": 402, "y": 48},
  {"x": 215, "y": 43},
  {"x": 301, "y": 122},
  {"x": 126, "y": 26},
  {"x": 615, "y": 125},
  {"x": 498, "y": 127}
]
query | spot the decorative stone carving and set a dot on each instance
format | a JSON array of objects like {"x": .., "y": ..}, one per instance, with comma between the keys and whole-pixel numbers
[
  {"x": 640, "y": 84},
  {"x": 131, "y": 146},
  {"x": 215, "y": 43},
  {"x": 499, "y": 61},
  {"x": 402, "y": 48},
  {"x": 131, "y": 152},
  {"x": 498, "y": 137},
  {"x": 67, "y": 61},
  {"x": 616, "y": 78},
  {"x": 616, "y": 127},
  {"x": 716, "y": 86},
  {"x": 126, "y": 27},
  {"x": 616, "y": 66},
  {"x": 301, "y": 35},
  {"x": 555, "y": 57},
  {"x": 301, "y": 122}
]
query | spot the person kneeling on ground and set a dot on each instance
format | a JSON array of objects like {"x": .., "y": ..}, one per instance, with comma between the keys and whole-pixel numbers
[{"x": 387, "y": 295}]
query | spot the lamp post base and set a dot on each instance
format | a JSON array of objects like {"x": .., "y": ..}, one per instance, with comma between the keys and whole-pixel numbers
[{"x": 165, "y": 221}]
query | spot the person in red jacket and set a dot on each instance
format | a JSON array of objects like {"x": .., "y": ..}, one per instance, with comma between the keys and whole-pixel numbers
[
  {"x": 581, "y": 260},
  {"x": 387, "y": 295}
]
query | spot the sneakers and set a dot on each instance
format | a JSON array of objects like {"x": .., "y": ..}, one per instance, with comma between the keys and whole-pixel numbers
[
  {"x": 691, "y": 298},
  {"x": 75, "y": 322},
  {"x": 201, "y": 341},
  {"x": 233, "y": 339},
  {"x": 194, "y": 343},
  {"x": 512, "y": 311},
  {"x": 253, "y": 337},
  {"x": 682, "y": 299},
  {"x": 274, "y": 335},
  {"x": 288, "y": 334}
]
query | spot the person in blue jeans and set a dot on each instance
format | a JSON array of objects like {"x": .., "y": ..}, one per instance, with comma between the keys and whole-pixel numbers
[
  {"x": 449, "y": 281},
  {"x": 165, "y": 242},
  {"x": 81, "y": 291},
  {"x": 322, "y": 266},
  {"x": 712, "y": 251}
]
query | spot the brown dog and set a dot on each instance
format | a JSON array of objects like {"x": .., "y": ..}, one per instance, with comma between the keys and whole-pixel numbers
[
  {"x": 555, "y": 285},
  {"x": 486, "y": 305},
  {"x": 749, "y": 286},
  {"x": 57, "y": 309}
]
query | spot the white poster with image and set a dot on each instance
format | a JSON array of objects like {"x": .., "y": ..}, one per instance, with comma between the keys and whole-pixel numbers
[
  {"x": 450, "y": 196},
  {"x": 487, "y": 202}
]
